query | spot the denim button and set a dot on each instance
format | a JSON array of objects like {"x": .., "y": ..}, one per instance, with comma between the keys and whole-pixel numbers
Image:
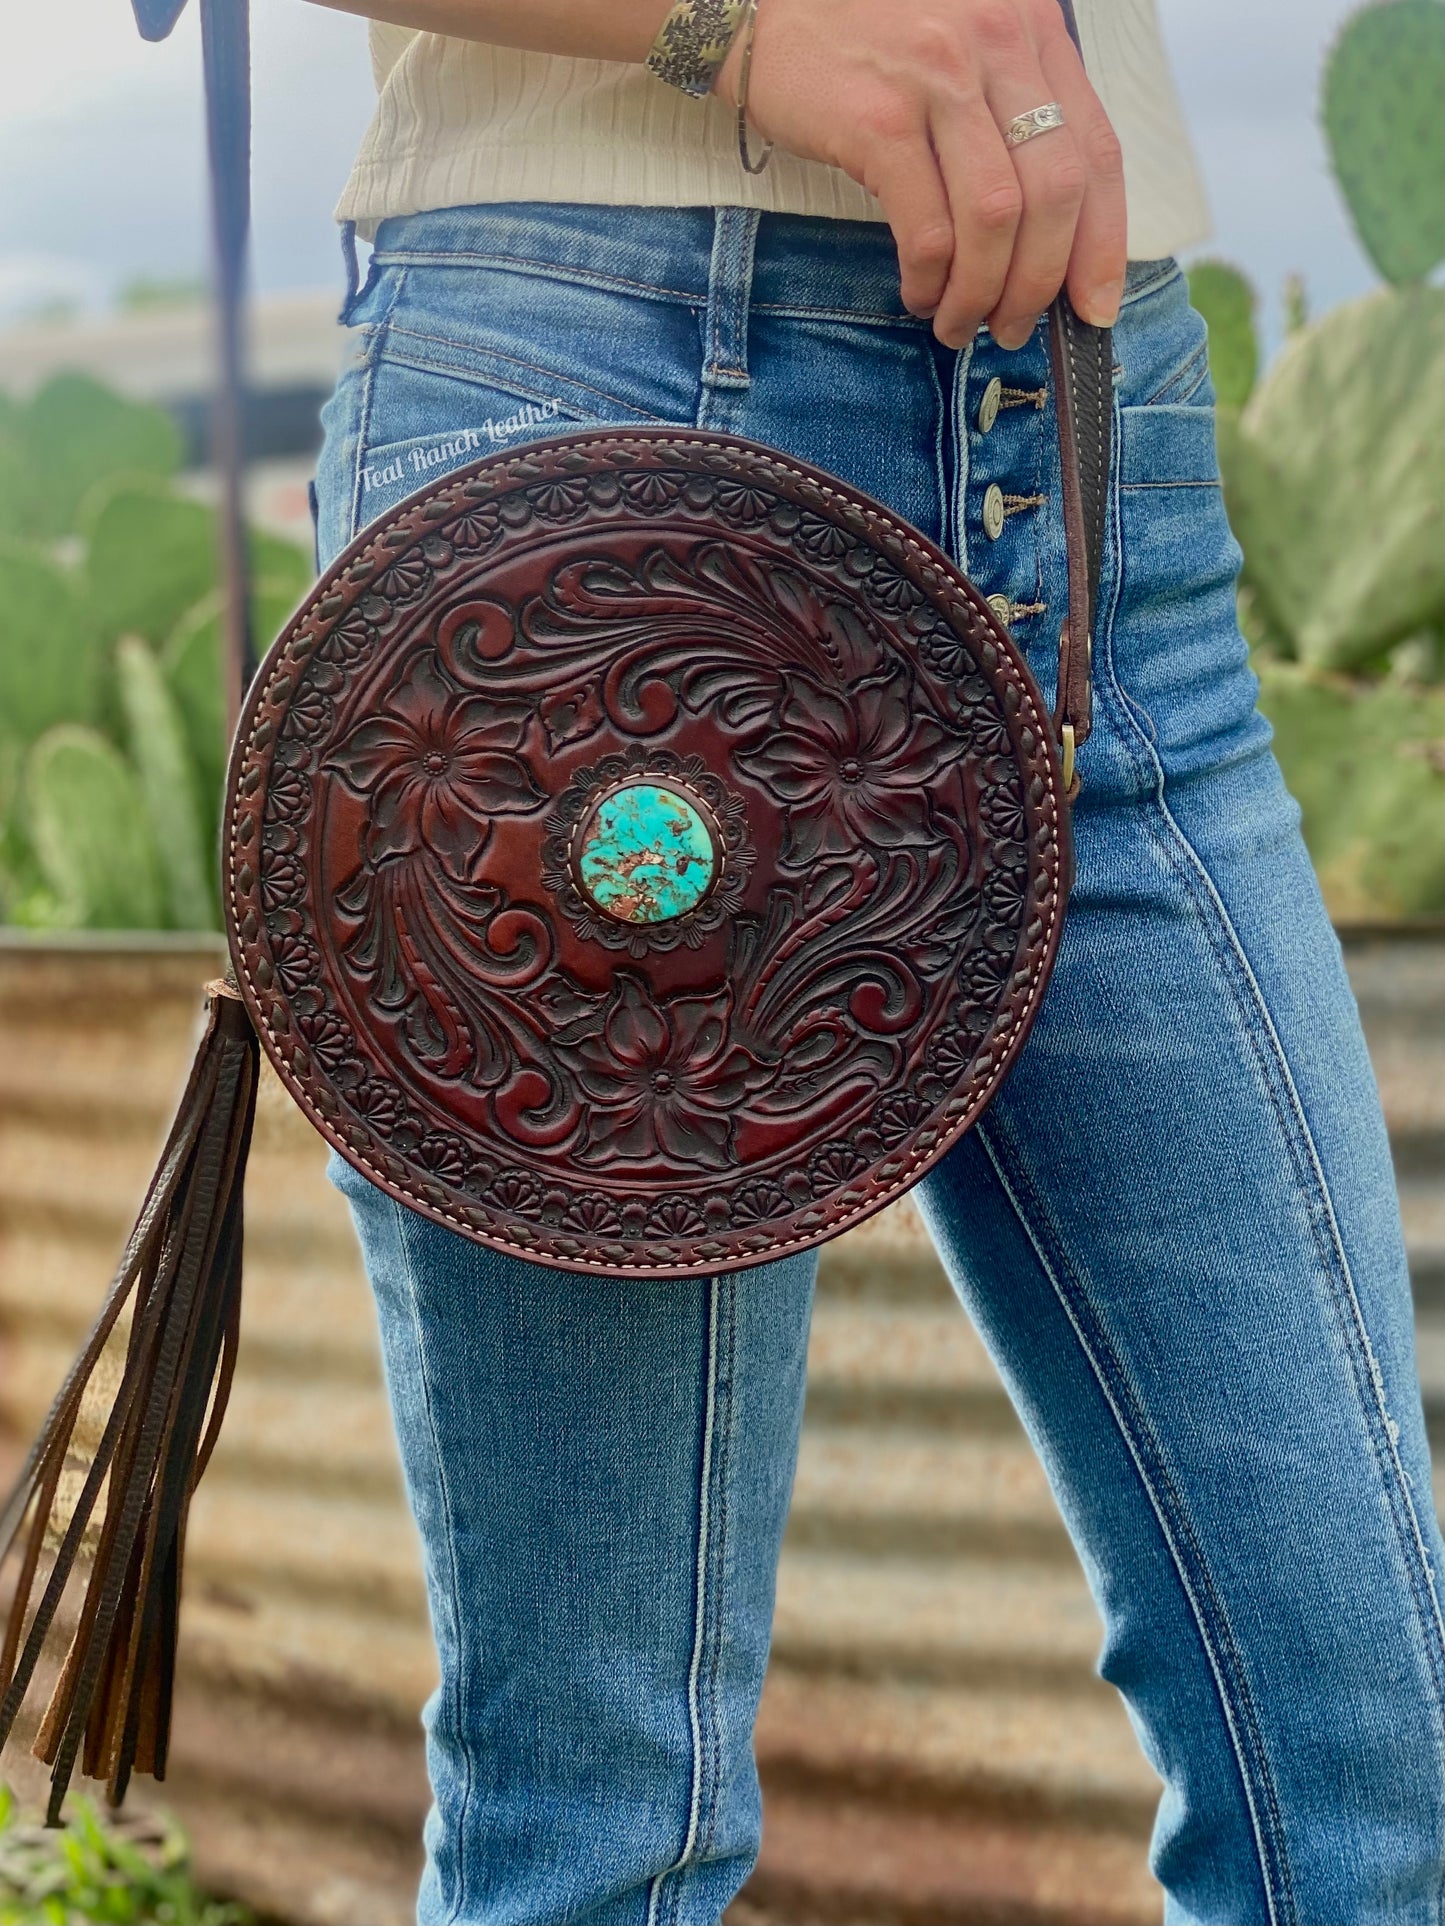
[
  {"x": 988, "y": 406},
  {"x": 993, "y": 511},
  {"x": 1002, "y": 608}
]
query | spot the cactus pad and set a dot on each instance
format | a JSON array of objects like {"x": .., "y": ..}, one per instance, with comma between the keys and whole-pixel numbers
[
  {"x": 1227, "y": 301},
  {"x": 1364, "y": 763},
  {"x": 1382, "y": 116},
  {"x": 70, "y": 437},
  {"x": 91, "y": 833},
  {"x": 156, "y": 733},
  {"x": 50, "y": 666},
  {"x": 1335, "y": 480}
]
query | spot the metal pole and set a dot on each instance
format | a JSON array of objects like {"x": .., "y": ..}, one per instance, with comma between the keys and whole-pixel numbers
[{"x": 226, "y": 57}]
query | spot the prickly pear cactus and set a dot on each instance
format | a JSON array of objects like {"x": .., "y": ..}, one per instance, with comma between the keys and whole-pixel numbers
[
  {"x": 91, "y": 833},
  {"x": 1335, "y": 480},
  {"x": 71, "y": 436},
  {"x": 1227, "y": 301},
  {"x": 50, "y": 662},
  {"x": 156, "y": 735},
  {"x": 1382, "y": 116},
  {"x": 191, "y": 660},
  {"x": 151, "y": 556},
  {"x": 1364, "y": 761}
]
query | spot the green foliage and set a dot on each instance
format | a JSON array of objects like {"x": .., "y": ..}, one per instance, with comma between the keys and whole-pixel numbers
[
  {"x": 72, "y": 433},
  {"x": 1296, "y": 303},
  {"x": 90, "y": 830},
  {"x": 164, "y": 766},
  {"x": 24, "y": 897},
  {"x": 1365, "y": 764},
  {"x": 1381, "y": 107},
  {"x": 93, "y": 1873},
  {"x": 1335, "y": 480},
  {"x": 1227, "y": 301},
  {"x": 145, "y": 294},
  {"x": 110, "y": 665},
  {"x": 150, "y": 554},
  {"x": 1334, "y": 476},
  {"x": 192, "y": 660},
  {"x": 51, "y": 664}
]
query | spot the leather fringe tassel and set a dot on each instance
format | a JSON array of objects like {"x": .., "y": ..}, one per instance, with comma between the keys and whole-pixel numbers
[{"x": 181, "y": 1277}]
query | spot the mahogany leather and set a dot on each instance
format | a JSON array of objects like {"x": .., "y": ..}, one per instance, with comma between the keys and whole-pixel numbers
[
  {"x": 425, "y": 734},
  {"x": 1082, "y": 358}
]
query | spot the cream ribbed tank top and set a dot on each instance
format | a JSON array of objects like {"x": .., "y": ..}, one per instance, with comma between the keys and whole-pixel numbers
[{"x": 458, "y": 122}]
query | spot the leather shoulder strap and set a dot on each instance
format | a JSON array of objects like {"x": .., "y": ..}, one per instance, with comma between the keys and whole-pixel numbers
[
  {"x": 1083, "y": 368},
  {"x": 226, "y": 60}
]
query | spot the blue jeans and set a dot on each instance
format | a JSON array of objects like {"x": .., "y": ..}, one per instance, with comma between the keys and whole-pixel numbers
[{"x": 1176, "y": 1227}]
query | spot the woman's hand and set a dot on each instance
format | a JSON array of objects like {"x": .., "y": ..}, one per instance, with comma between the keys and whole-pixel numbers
[{"x": 910, "y": 98}]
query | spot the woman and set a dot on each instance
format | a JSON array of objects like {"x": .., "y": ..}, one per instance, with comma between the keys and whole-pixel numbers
[{"x": 1176, "y": 1227}]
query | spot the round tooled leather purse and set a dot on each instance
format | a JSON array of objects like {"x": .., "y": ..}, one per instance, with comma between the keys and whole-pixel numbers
[{"x": 643, "y": 853}]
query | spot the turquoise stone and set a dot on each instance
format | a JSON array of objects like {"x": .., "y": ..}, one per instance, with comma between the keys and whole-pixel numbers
[{"x": 647, "y": 855}]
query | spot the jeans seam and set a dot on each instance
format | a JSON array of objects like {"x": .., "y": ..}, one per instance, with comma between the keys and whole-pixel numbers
[
  {"x": 1239, "y": 1711},
  {"x": 1169, "y": 271},
  {"x": 1195, "y": 364},
  {"x": 552, "y": 374},
  {"x": 865, "y": 317},
  {"x": 727, "y": 1379},
  {"x": 651, "y": 290},
  {"x": 1044, "y": 479},
  {"x": 1277, "y": 1080},
  {"x": 363, "y": 426},
  {"x": 700, "y": 1617},
  {"x": 1284, "y": 1099},
  {"x": 962, "y": 458},
  {"x": 940, "y": 442},
  {"x": 458, "y": 1697},
  {"x": 416, "y": 364},
  {"x": 551, "y": 270},
  {"x": 1210, "y": 1616},
  {"x": 1138, "y": 488}
]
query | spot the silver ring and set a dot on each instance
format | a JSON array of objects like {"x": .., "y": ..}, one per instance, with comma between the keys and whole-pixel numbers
[{"x": 1038, "y": 120}]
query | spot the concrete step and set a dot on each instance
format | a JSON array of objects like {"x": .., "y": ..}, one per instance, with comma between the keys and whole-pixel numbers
[{"x": 889, "y": 1260}]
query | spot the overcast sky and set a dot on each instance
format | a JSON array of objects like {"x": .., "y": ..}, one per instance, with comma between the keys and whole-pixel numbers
[{"x": 101, "y": 156}]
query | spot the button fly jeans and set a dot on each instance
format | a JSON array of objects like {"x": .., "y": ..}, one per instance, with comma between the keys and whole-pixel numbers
[{"x": 1175, "y": 1228}]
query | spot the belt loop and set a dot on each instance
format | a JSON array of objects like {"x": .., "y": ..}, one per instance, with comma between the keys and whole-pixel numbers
[{"x": 729, "y": 295}]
